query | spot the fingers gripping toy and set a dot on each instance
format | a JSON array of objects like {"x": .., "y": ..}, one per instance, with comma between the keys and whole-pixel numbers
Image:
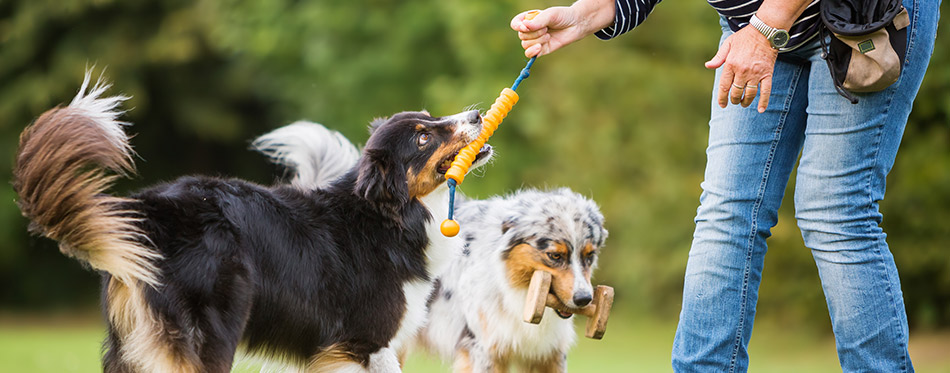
[
  {"x": 539, "y": 296},
  {"x": 490, "y": 121}
]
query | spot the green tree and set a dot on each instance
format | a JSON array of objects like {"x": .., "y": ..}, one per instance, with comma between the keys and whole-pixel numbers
[{"x": 623, "y": 121}]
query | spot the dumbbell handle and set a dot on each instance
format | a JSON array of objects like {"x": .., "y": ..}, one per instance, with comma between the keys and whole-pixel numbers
[
  {"x": 588, "y": 310},
  {"x": 539, "y": 297}
]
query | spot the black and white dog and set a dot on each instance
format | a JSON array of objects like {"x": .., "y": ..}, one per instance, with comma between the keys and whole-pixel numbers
[
  {"x": 332, "y": 279},
  {"x": 475, "y": 310}
]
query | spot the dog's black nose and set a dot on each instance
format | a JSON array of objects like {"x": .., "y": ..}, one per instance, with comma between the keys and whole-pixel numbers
[
  {"x": 474, "y": 117},
  {"x": 582, "y": 299}
]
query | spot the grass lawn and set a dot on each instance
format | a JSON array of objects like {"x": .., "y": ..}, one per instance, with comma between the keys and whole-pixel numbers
[{"x": 39, "y": 345}]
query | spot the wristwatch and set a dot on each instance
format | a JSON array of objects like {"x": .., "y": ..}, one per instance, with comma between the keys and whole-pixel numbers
[{"x": 777, "y": 37}]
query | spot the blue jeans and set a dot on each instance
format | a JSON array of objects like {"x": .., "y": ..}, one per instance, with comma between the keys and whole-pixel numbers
[{"x": 846, "y": 153}]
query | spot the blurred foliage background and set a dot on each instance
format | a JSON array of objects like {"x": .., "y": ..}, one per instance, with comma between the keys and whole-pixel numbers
[{"x": 623, "y": 121}]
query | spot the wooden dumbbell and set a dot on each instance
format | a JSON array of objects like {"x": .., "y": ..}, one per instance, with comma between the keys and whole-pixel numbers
[{"x": 539, "y": 296}]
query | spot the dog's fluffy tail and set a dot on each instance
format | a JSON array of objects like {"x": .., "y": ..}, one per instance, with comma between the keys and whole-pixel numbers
[
  {"x": 314, "y": 154},
  {"x": 61, "y": 174}
]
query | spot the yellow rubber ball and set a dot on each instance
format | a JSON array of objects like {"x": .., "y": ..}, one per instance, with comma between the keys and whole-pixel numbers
[{"x": 450, "y": 228}]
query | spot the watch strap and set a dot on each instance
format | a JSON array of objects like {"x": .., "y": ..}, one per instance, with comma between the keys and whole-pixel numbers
[{"x": 768, "y": 31}]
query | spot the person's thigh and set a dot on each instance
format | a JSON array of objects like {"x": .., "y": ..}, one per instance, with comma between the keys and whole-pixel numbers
[{"x": 847, "y": 153}]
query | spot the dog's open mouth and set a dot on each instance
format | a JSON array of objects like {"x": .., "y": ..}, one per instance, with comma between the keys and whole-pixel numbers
[
  {"x": 447, "y": 163},
  {"x": 560, "y": 313}
]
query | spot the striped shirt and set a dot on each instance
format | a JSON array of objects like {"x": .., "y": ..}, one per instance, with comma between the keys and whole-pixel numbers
[{"x": 631, "y": 13}]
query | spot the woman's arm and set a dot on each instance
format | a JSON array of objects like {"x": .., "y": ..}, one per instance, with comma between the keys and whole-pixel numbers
[{"x": 558, "y": 26}]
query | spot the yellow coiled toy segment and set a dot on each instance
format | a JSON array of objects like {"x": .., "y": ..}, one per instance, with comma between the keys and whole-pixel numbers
[{"x": 490, "y": 121}]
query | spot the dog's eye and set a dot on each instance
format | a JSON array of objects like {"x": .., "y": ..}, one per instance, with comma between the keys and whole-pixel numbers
[
  {"x": 589, "y": 259},
  {"x": 555, "y": 256},
  {"x": 423, "y": 139}
]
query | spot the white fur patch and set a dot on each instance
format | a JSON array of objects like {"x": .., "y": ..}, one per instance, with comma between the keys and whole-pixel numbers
[
  {"x": 441, "y": 249},
  {"x": 104, "y": 111},
  {"x": 315, "y": 154},
  {"x": 438, "y": 256},
  {"x": 384, "y": 361},
  {"x": 468, "y": 130}
]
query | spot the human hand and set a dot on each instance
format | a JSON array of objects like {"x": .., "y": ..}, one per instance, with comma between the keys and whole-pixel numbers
[
  {"x": 550, "y": 30},
  {"x": 558, "y": 26},
  {"x": 748, "y": 61}
]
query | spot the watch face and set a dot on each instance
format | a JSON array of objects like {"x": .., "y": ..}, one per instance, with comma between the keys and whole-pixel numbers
[{"x": 780, "y": 39}]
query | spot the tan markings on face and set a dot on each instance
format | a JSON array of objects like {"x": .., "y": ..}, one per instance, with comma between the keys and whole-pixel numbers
[
  {"x": 524, "y": 259},
  {"x": 424, "y": 181},
  {"x": 588, "y": 248},
  {"x": 562, "y": 277}
]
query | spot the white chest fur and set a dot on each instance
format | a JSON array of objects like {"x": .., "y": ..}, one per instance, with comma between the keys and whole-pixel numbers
[{"x": 438, "y": 255}]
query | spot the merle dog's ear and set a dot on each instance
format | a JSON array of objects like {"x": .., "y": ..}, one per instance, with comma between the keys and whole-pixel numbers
[
  {"x": 508, "y": 223},
  {"x": 381, "y": 180},
  {"x": 376, "y": 123}
]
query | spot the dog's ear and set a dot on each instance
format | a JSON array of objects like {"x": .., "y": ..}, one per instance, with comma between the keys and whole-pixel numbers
[
  {"x": 376, "y": 123},
  {"x": 381, "y": 180},
  {"x": 508, "y": 223}
]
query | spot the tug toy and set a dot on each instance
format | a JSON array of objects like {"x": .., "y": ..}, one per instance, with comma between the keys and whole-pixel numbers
[
  {"x": 490, "y": 121},
  {"x": 539, "y": 296}
]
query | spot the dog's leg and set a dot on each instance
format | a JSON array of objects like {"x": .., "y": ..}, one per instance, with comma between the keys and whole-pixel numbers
[
  {"x": 463, "y": 362},
  {"x": 384, "y": 361},
  {"x": 340, "y": 359},
  {"x": 401, "y": 356},
  {"x": 112, "y": 361},
  {"x": 339, "y": 367},
  {"x": 471, "y": 356},
  {"x": 500, "y": 366},
  {"x": 334, "y": 361},
  {"x": 227, "y": 318},
  {"x": 217, "y": 353},
  {"x": 479, "y": 360},
  {"x": 139, "y": 338},
  {"x": 556, "y": 363}
]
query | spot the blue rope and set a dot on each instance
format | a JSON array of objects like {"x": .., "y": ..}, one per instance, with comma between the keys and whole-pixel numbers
[
  {"x": 525, "y": 72},
  {"x": 451, "y": 183}
]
